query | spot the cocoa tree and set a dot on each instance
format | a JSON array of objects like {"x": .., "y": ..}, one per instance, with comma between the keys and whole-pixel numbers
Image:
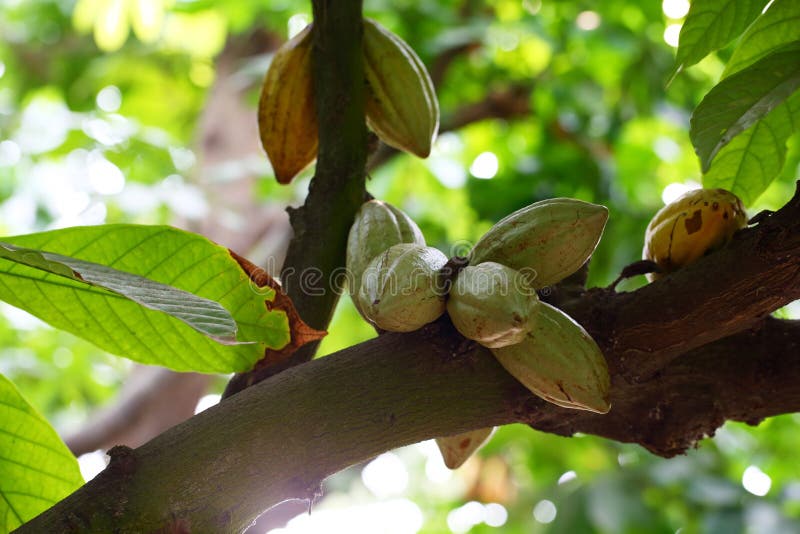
[{"x": 685, "y": 353}]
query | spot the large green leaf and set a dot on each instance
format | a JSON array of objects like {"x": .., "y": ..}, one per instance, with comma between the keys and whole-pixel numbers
[
  {"x": 778, "y": 26},
  {"x": 710, "y": 25},
  {"x": 748, "y": 164},
  {"x": 205, "y": 316},
  {"x": 738, "y": 101},
  {"x": 167, "y": 255},
  {"x": 36, "y": 468}
]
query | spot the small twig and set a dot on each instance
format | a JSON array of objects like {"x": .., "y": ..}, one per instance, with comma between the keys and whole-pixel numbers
[
  {"x": 443, "y": 61},
  {"x": 634, "y": 269},
  {"x": 760, "y": 217},
  {"x": 505, "y": 104},
  {"x": 450, "y": 270}
]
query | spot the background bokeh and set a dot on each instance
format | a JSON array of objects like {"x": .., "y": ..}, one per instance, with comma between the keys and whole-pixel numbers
[{"x": 144, "y": 111}]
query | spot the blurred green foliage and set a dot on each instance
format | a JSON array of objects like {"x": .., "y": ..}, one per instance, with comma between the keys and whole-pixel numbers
[{"x": 82, "y": 88}]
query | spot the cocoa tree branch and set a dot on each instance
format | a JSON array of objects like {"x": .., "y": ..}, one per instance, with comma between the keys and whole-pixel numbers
[
  {"x": 746, "y": 377},
  {"x": 317, "y": 249},
  {"x": 337, "y": 190},
  {"x": 283, "y": 436},
  {"x": 279, "y": 439}
]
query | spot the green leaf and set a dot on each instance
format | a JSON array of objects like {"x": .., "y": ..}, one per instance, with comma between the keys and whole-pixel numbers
[
  {"x": 739, "y": 101},
  {"x": 778, "y": 26},
  {"x": 114, "y": 323},
  {"x": 710, "y": 25},
  {"x": 36, "y": 468},
  {"x": 749, "y": 163},
  {"x": 205, "y": 316}
]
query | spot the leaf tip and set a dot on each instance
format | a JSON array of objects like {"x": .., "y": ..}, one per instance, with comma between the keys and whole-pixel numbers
[{"x": 677, "y": 69}]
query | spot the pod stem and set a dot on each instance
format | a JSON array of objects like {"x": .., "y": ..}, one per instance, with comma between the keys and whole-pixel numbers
[{"x": 450, "y": 270}]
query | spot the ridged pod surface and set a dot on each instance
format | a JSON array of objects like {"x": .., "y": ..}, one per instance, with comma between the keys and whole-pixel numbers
[
  {"x": 457, "y": 449},
  {"x": 559, "y": 362},
  {"x": 378, "y": 225},
  {"x": 696, "y": 223},
  {"x": 553, "y": 237},
  {"x": 287, "y": 119},
  {"x": 401, "y": 103},
  {"x": 400, "y": 289},
  {"x": 492, "y": 304}
]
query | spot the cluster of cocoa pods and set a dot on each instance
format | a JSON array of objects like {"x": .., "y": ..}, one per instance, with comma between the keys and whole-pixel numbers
[
  {"x": 397, "y": 285},
  {"x": 397, "y": 281},
  {"x": 401, "y": 105}
]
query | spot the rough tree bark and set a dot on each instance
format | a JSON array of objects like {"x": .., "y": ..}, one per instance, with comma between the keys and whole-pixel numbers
[{"x": 668, "y": 345}]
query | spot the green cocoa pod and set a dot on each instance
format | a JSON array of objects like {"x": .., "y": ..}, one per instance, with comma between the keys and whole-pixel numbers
[
  {"x": 560, "y": 362},
  {"x": 401, "y": 103},
  {"x": 553, "y": 237},
  {"x": 378, "y": 225},
  {"x": 457, "y": 449},
  {"x": 400, "y": 288},
  {"x": 492, "y": 304}
]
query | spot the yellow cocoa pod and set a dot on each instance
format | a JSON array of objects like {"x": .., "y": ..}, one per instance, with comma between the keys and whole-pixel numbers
[
  {"x": 378, "y": 225},
  {"x": 401, "y": 290},
  {"x": 492, "y": 304},
  {"x": 401, "y": 102},
  {"x": 457, "y": 449},
  {"x": 693, "y": 225},
  {"x": 560, "y": 362},
  {"x": 287, "y": 119},
  {"x": 553, "y": 238}
]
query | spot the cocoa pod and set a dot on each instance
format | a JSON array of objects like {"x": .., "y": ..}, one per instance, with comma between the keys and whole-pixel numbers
[
  {"x": 459, "y": 448},
  {"x": 401, "y": 103},
  {"x": 698, "y": 222},
  {"x": 378, "y": 225},
  {"x": 553, "y": 238},
  {"x": 492, "y": 304},
  {"x": 401, "y": 289},
  {"x": 287, "y": 118},
  {"x": 559, "y": 362}
]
